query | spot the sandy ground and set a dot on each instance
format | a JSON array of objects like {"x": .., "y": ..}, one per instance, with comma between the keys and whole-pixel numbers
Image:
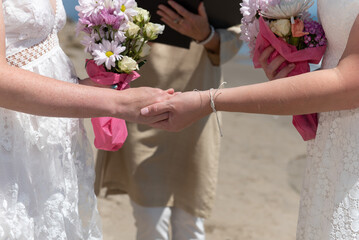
[{"x": 261, "y": 168}]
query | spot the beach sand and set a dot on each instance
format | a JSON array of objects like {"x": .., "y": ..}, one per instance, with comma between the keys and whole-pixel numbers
[{"x": 261, "y": 168}]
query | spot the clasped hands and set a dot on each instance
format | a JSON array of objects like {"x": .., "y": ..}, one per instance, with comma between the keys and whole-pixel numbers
[{"x": 177, "y": 111}]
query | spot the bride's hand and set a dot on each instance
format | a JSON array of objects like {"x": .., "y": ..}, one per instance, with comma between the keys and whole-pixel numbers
[
  {"x": 184, "y": 109},
  {"x": 272, "y": 69},
  {"x": 134, "y": 99},
  {"x": 129, "y": 102}
]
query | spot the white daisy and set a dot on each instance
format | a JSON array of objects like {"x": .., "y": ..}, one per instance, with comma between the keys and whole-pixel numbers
[
  {"x": 108, "y": 4},
  {"x": 287, "y": 9},
  {"x": 108, "y": 53},
  {"x": 89, "y": 7},
  {"x": 126, "y": 8}
]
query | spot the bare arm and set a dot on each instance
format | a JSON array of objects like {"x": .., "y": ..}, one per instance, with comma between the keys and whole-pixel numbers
[
  {"x": 321, "y": 91},
  {"x": 24, "y": 91}
]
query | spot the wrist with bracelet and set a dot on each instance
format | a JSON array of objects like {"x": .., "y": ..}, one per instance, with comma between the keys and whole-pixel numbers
[
  {"x": 209, "y": 38},
  {"x": 213, "y": 106},
  {"x": 212, "y": 96}
]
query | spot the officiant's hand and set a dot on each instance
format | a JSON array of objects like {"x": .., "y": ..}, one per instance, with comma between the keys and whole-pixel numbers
[
  {"x": 195, "y": 26},
  {"x": 192, "y": 25},
  {"x": 272, "y": 69}
]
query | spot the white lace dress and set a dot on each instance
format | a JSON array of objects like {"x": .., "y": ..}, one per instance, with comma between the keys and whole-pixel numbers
[
  {"x": 46, "y": 164},
  {"x": 330, "y": 197}
]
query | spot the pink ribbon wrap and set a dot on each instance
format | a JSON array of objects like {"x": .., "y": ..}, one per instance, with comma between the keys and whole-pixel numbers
[
  {"x": 110, "y": 133},
  {"x": 306, "y": 124}
]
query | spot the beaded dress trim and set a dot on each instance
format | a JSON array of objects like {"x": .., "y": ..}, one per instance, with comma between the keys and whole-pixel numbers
[{"x": 29, "y": 55}]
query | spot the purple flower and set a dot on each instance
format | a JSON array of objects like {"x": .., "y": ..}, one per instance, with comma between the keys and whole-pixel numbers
[
  {"x": 97, "y": 19},
  {"x": 249, "y": 9},
  {"x": 92, "y": 20},
  {"x": 316, "y": 35},
  {"x": 112, "y": 19},
  {"x": 84, "y": 21}
]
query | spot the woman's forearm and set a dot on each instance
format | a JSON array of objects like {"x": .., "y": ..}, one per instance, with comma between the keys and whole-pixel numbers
[
  {"x": 40, "y": 95},
  {"x": 321, "y": 91},
  {"x": 24, "y": 91}
]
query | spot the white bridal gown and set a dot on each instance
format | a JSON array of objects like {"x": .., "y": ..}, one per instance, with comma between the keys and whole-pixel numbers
[
  {"x": 330, "y": 198},
  {"x": 46, "y": 164}
]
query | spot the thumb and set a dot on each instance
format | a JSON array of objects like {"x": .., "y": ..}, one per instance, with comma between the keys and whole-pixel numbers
[
  {"x": 202, "y": 10},
  {"x": 155, "y": 109}
]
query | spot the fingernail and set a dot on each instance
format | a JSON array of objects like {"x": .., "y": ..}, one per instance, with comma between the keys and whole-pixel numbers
[{"x": 144, "y": 111}]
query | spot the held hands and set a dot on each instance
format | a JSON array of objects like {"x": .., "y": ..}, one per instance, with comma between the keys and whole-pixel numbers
[
  {"x": 183, "y": 109},
  {"x": 133, "y": 99},
  {"x": 137, "y": 98},
  {"x": 195, "y": 26},
  {"x": 272, "y": 69}
]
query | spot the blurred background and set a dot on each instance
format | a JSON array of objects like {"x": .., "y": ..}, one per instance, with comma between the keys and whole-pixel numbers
[{"x": 261, "y": 167}]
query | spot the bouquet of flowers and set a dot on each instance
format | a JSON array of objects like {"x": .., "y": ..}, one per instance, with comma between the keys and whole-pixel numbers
[
  {"x": 116, "y": 36},
  {"x": 285, "y": 25}
]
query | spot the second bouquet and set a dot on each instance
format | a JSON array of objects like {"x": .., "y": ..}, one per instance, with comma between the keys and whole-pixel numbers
[
  {"x": 285, "y": 25},
  {"x": 116, "y": 36}
]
